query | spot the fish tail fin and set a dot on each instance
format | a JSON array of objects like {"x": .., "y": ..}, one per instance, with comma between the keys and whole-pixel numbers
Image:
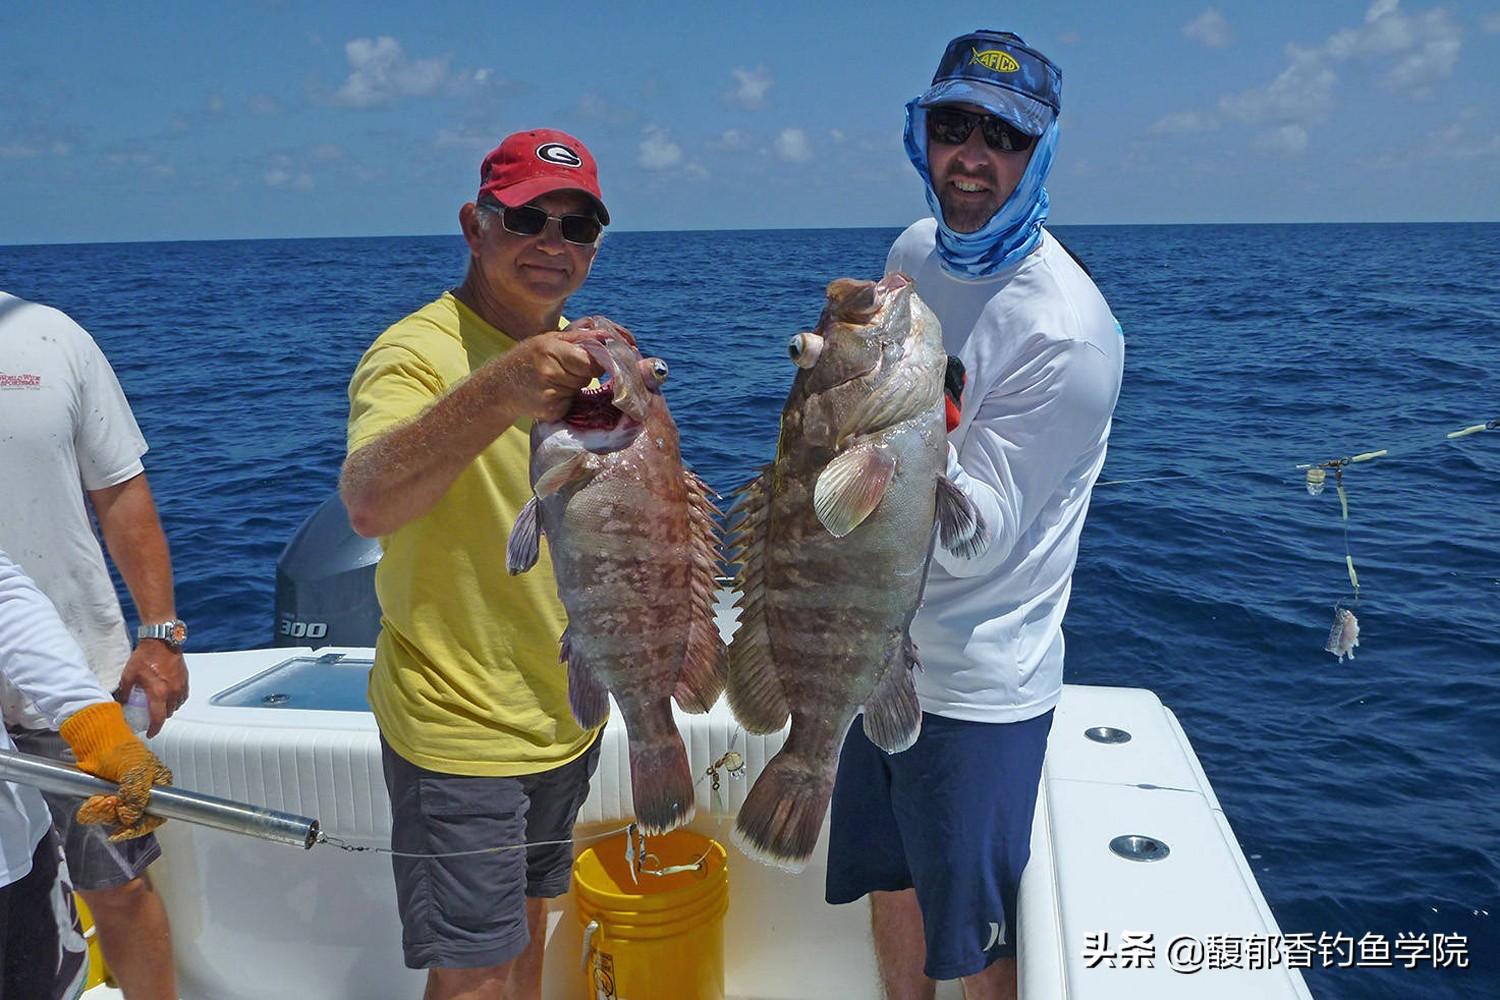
[
  {"x": 783, "y": 814},
  {"x": 661, "y": 782}
]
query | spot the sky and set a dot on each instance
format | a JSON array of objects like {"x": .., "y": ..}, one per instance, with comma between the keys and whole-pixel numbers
[{"x": 155, "y": 121}]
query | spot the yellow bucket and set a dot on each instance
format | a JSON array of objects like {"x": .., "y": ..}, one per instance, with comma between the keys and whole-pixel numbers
[
  {"x": 98, "y": 971},
  {"x": 661, "y": 935}
]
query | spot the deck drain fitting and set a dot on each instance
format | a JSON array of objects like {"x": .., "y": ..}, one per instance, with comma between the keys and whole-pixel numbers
[
  {"x": 275, "y": 699},
  {"x": 1133, "y": 847},
  {"x": 1107, "y": 734}
]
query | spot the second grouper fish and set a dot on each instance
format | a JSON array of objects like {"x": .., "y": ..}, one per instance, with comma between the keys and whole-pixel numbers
[{"x": 833, "y": 541}]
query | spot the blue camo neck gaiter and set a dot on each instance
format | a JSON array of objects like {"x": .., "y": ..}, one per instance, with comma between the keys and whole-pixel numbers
[{"x": 1015, "y": 228}]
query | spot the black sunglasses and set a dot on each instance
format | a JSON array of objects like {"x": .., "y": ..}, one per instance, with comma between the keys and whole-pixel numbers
[
  {"x": 528, "y": 220},
  {"x": 951, "y": 127}
]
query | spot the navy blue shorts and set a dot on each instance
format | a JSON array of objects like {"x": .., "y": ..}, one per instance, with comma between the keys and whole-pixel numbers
[{"x": 949, "y": 817}]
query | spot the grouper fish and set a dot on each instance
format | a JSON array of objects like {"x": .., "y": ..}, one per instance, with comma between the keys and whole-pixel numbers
[
  {"x": 634, "y": 544},
  {"x": 833, "y": 540}
]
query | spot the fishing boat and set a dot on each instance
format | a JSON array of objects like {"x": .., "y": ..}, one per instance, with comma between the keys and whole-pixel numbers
[{"x": 1129, "y": 840}]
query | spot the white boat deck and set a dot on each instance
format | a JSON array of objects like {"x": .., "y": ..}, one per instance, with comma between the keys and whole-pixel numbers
[{"x": 255, "y": 920}]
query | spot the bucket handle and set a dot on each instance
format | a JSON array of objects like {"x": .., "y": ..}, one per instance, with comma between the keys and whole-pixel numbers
[{"x": 588, "y": 945}]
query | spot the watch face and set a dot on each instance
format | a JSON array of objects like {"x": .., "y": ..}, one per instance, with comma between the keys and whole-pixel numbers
[{"x": 179, "y": 633}]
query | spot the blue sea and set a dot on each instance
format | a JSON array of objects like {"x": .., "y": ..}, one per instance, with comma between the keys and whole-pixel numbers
[{"x": 1366, "y": 794}]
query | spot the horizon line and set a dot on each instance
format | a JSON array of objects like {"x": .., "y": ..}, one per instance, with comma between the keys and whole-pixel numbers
[{"x": 751, "y": 229}]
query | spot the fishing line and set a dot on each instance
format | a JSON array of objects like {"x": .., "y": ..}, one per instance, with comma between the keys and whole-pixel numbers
[{"x": 732, "y": 762}]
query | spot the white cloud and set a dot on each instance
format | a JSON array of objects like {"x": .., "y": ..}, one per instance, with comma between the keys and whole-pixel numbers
[
  {"x": 1183, "y": 122},
  {"x": 1208, "y": 28},
  {"x": 30, "y": 151},
  {"x": 837, "y": 135},
  {"x": 142, "y": 159},
  {"x": 1491, "y": 24},
  {"x": 1411, "y": 52},
  {"x": 792, "y": 146},
  {"x": 1302, "y": 94},
  {"x": 381, "y": 72},
  {"x": 657, "y": 150},
  {"x": 750, "y": 87},
  {"x": 264, "y": 104},
  {"x": 730, "y": 138},
  {"x": 1290, "y": 139},
  {"x": 215, "y": 104},
  {"x": 1425, "y": 46},
  {"x": 284, "y": 172},
  {"x": 464, "y": 138},
  {"x": 1456, "y": 140}
]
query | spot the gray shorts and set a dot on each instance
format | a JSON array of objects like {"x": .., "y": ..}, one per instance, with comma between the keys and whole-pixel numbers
[
  {"x": 470, "y": 912},
  {"x": 93, "y": 862}
]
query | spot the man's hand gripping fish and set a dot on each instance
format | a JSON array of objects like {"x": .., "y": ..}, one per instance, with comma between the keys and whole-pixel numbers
[
  {"x": 634, "y": 548},
  {"x": 833, "y": 543}
]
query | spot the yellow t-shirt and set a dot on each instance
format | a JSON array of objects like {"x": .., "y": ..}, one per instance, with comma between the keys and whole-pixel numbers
[{"x": 466, "y": 678}]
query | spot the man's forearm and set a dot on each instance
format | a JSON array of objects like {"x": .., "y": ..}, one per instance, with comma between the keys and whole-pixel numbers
[
  {"x": 400, "y": 476},
  {"x": 138, "y": 546}
]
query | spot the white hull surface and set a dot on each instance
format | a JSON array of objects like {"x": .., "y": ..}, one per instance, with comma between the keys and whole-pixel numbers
[{"x": 254, "y": 920}]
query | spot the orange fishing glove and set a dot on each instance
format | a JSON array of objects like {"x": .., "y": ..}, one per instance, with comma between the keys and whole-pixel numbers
[{"x": 105, "y": 747}]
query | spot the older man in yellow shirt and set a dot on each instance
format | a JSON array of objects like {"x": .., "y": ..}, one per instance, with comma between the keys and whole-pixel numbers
[{"x": 479, "y": 745}]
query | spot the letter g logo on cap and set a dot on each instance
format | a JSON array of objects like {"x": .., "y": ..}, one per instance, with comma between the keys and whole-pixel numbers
[{"x": 556, "y": 152}]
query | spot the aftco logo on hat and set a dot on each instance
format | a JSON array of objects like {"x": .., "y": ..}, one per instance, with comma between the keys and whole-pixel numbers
[
  {"x": 995, "y": 59},
  {"x": 556, "y": 152}
]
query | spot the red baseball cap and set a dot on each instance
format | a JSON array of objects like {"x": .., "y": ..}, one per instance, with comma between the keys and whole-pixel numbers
[{"x": 529, "y": 164}]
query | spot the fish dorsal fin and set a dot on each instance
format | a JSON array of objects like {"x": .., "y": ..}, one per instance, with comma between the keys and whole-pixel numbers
[
  {"x": 755, "y": 692},
  {"x": 702, "y": 677},
  {"x": 850, "y": 486}
]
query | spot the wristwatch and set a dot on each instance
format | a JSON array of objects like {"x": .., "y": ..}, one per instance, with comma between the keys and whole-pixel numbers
[{"x": 173, "y": 633}]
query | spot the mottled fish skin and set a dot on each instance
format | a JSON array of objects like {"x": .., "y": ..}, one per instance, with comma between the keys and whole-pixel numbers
[
  {"x": 1344, "y": 635},
  {"x": 827, "y": 606},
  {"x": 633, "y": 540}
]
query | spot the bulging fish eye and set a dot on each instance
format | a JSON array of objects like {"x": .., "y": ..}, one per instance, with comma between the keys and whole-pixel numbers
[
  {"x": 804, "y": 349},
  {"x": 659, "y": 369}
]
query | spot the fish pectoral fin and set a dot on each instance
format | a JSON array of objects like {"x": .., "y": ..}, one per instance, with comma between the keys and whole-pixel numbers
[
  {"x": 961, "y": 528},
  {"x": 893, "y": 716},
  {"x": 851, "y": 485},
  {"x": 562, "y": 474},
  {"x": 587, "y": 697},
  {"x": 525, "y": 539}
]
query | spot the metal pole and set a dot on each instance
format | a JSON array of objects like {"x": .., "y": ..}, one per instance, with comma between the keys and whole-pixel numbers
[{"x": 166, "y": 801}]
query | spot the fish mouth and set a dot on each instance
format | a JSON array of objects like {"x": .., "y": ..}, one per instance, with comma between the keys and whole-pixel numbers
[
  {"x": 595, "y": 409},
  {"x": 622, "y": 400}
]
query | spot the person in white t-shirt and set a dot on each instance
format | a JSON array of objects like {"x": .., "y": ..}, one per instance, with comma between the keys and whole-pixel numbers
[
  {"x": 70, "y": 446},
  {"x": 939, "y": 834},
  {"x": 42, "y": 954}
]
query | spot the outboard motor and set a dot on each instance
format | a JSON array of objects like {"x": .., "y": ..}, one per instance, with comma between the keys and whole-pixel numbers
[{"x": 325, "y": 583}]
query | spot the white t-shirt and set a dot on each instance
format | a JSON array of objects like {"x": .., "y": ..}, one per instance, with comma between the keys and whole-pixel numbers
[
  {"x": 65, "y": 427},
  {"x": 39, "y": 656},
  {"x": 1044, "y": 357}
]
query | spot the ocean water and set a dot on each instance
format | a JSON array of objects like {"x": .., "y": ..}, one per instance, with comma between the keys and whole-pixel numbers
[{"x": 1365, "y": 793}]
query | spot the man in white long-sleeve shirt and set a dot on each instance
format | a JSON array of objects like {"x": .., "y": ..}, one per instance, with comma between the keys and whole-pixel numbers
[
  {"x": 938, "y": 835},
  {"x": 42, "y": 955}
]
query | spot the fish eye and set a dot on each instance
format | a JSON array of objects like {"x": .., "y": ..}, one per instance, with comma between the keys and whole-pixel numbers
[
  {"x": 659, "y": 369},
  {"x": 804, "y": 349}
]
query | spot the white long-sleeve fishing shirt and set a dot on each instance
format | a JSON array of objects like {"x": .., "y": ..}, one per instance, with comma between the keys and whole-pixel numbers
[
  {"x": 39, "y": 656},
  {"x": 1044, "y": 358}
]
